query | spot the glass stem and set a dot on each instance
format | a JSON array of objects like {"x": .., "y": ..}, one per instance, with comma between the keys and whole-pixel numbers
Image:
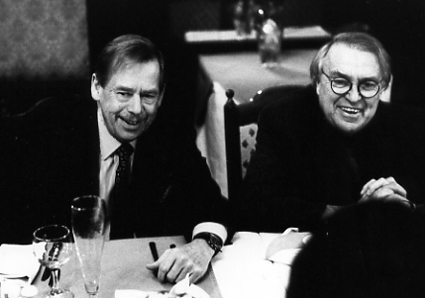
[{"x": 55, "y": 281}]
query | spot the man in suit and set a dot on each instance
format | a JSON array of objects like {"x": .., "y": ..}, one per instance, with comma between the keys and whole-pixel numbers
[
  {"x": 334, "y": 143},
  {"x": 70, "y": 147}
]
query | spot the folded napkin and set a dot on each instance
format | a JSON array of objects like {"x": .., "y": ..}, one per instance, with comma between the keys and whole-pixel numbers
[
  {"x": 18, "y": 261},
  {"x": 285, "y": 247},
  {"x": 18, "y": 268}
]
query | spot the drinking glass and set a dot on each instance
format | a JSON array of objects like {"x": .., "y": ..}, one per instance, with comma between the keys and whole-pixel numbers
[
  {"x": 88, "y": 228},
  {"x": 53, "y": 247}
]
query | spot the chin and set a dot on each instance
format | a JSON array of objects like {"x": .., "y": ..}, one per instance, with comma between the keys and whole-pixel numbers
[
  {"x": 126, "y": 137},
  {"x": 351, "y": 130}
]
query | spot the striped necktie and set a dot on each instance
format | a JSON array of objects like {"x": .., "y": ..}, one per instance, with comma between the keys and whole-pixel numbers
[{"x": 120, "y": 192}]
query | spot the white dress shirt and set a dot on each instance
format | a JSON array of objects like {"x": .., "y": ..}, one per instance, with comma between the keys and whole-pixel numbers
[{"x": 108, "y": 159}]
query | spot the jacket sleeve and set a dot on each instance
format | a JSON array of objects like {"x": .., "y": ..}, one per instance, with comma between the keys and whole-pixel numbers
[{"x": 195, "y": 182}]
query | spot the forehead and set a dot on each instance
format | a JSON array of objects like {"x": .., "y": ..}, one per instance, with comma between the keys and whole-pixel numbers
[
  {"x": 144, "y": 72},
  {"x": 352, "y": 62}
]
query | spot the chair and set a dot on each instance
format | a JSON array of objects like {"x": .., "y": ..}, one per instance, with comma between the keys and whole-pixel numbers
[{"x": 240, "y": 126}]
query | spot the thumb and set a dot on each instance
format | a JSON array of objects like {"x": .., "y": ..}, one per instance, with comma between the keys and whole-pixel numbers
[{"x": 153, "y": 266}]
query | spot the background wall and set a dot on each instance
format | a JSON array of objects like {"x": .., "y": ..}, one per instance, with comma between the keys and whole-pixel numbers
[
  {"x": 43, "y": 49},
  {"x": 43, "y": 39}
]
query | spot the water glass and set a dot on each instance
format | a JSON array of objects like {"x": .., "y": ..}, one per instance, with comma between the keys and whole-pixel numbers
[
  {"x": 52, "y": 247},
  {"x": 88, "y": 228}
]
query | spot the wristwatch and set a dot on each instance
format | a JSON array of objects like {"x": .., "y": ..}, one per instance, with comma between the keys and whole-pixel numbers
[{"x": 212, "y": 240}]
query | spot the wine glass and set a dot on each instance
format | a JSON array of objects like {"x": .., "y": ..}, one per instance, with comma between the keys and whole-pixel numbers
[
  {"x": 88, "y": 228},
  {"x": 52, "y": 246}
]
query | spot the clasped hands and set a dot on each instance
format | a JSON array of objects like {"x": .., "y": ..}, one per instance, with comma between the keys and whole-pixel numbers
[
  {"x": 175, "y": 263},
  {"x": 386, "y": 189}
]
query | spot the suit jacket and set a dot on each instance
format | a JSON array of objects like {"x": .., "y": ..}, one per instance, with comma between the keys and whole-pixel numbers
[
  {"x": 302, "y": 163},
  {"x": 171, "y": 187}
]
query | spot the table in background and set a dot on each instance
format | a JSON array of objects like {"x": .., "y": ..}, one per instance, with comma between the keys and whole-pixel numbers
[
  {"x": 124, "y": 267},
  {"x": 228, "y": 41},
  {"x": 242, "y": 72}
]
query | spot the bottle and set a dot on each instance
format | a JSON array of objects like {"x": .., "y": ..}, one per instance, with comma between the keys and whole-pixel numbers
[{"x": 269, "y": 43}]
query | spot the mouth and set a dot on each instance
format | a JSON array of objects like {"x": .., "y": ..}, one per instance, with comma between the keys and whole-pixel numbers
[
  {"x": 350, "y": 111},
  {"x": 132, "y": 123}
]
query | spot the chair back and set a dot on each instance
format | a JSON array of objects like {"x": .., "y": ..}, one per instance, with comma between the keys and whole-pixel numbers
[{"x": 240, "y": 126}]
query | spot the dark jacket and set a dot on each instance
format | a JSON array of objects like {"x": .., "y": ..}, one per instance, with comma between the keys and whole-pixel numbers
[
  {"x": 171, "y": 187},
  {"x": 303, "y": 164}
]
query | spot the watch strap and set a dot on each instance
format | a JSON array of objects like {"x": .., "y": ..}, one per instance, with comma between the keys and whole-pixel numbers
[{"x": 212, "y": 240}]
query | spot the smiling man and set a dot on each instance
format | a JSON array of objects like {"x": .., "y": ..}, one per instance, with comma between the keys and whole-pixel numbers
[
  {"x": 129, "y": 101},
  {"x": 119, "y": 145},
  {"x": 334, "y": 143},
  {"x": 354, "y": 79}
]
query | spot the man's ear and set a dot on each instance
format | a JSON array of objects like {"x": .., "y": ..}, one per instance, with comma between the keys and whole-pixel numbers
[
  {"x": 161, "y": 96},
  {"x": 317, "y": 87},
  {"x": 95, "y": 88},
  {"x": 386, "y": 92}
]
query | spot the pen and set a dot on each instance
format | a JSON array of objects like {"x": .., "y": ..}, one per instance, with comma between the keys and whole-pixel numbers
[{"x": 154, "y": 252}]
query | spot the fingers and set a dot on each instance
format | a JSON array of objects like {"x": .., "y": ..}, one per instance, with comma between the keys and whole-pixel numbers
[
  {"x": 166, "y": 269},
  {"x": 173, "y": 266},
  {"x": 397, "y": 188},
  {"x": 176, "y": 263},
  {"x": 171, "y": 270},
  {"x": 372, "y": 186},
  {"x": 383, "y": 188}
]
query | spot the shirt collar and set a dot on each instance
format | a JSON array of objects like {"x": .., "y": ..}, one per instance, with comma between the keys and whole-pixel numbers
[{"x": 108, "y": 144}]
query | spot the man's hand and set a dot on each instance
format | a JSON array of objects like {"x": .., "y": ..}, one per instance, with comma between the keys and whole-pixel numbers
[
  {"x": 383, "y": 189},
  {"x": 175, "y": 263}
]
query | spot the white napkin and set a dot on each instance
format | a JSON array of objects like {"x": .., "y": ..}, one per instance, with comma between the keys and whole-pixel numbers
[
  {"x": 285, "y": 247},
  {"x": 256, "y": 264},
  {"x": 18, "y": 268},
  {"x": 181, "y": 289},
  {"x": 18, "y": 261}
]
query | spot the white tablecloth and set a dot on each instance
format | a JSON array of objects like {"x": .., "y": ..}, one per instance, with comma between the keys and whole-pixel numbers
[{"x": 244, "y": 268}]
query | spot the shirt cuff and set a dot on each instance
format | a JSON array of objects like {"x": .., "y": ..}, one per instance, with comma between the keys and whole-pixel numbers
[{"x": 211, "y": 227}]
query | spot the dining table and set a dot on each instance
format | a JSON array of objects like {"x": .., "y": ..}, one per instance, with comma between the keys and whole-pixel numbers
[
  {"x": 124, "y": 268},
  {"x": 250, "y": 265}
]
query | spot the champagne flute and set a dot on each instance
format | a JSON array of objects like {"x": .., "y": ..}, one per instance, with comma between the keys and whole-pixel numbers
[
  {"x": 88, "y": 228},
  {"x": 52, "y": 246}
]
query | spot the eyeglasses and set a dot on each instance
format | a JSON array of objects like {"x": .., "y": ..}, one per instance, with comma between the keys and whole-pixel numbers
[{"x": 341, "y": 86}]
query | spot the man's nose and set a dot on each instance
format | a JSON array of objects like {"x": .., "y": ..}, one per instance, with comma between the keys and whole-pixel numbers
[
  {"x": 135, "y": 104},
  {"x": 354, "y": 95}
]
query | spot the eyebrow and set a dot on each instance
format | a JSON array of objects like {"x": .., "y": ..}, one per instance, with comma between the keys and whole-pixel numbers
[
  {"x": 343, "y": 75},
  {"x": 129, "y": 89},
  {"x": 123, "y": 88}
]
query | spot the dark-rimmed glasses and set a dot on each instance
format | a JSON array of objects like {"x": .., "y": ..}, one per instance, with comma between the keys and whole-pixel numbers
[{"x": 341, "y": 86}]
